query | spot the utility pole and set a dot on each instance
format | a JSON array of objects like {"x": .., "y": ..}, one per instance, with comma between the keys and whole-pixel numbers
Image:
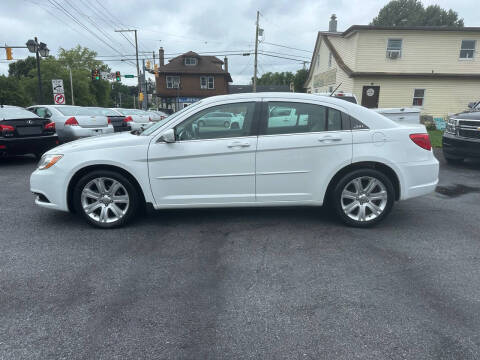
[
  {"x": 144, "y": 88},
  {"x": 256, "y": 56},
  {"x": 136, "y": 55},
  {"x": 71, "y": 84}
]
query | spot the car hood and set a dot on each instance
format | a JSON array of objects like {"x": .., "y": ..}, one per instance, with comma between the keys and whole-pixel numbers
[
  {"x": 474, "y": 115},
  {"x": 108, "y": 141}
]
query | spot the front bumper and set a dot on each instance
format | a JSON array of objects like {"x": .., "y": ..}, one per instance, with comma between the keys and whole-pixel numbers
[
  {"x": 50, "y": 184},
  {"x": 460, "y": 147},
  {"x": 28, "y": 145}
]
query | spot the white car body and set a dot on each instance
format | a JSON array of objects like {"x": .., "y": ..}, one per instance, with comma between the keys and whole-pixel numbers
[
  {"x": 87, "y": 125},
  {"x": 140, "y": 119},
  {"x": 252, "y": 170}
]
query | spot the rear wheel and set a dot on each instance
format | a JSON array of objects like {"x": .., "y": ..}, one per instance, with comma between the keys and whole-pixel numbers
[
  {"x": 363, "y": 197},
  {"x": 106, "y": 198}
]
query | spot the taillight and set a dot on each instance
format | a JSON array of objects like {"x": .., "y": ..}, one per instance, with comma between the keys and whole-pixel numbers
[
  {"x": 128, "y": 119},
  {"x": 108, "y": 120},
  {"x": 50, "y": 126},
  {"x": 162, "y": 117},
  {"x": 7, "y": 128},
  {"x": 150, "y": 119},
  {"x": 422, "y": 140},
  {"x": 71, "y": 121}
]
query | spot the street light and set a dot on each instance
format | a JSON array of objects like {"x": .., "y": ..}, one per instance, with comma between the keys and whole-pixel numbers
[{"x": 40, "y": 49}]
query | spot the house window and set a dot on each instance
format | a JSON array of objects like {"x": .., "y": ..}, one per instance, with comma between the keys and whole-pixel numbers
[
  {"x": 394, "y": 48},
  {"x": 190, "y": 61},
  {"x": 207, "y": 82},
  {"x": 418, "y": 97},
  {"x": 330, "y": 59},
  {"x": 173, "y": 82},
  {"x": 468, "y": 49}
]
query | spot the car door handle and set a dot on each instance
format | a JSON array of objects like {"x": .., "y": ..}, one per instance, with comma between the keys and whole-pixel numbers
[
  {"x": 329, "y": 138},
  {"x": 238, "y": 144}
]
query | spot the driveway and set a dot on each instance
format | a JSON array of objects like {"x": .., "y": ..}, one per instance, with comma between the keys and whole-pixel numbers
[{"x": 289, "y": 283}]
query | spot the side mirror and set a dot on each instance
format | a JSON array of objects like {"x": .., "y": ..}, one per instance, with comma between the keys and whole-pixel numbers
[
  {"x": 471, "y": 105},
  {"x": 168, "y": 136}
]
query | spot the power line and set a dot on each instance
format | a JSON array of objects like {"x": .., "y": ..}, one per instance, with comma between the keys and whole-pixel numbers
[
  {"x": 287, "y": 47},
  {"x": 282, "y": 57}
]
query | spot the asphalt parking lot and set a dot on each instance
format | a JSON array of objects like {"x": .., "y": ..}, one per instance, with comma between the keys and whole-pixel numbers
[{"x": 287, "y": 283}]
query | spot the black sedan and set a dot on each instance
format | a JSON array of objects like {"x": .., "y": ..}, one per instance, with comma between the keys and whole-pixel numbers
[{"x": 22, "y": 132}]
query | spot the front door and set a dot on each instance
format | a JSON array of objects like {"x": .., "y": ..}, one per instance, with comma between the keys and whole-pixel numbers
[
  {"x": 370, "y": 96},
  {"x": 208, "y": 164},
  {"x": 295, "y": 161}
]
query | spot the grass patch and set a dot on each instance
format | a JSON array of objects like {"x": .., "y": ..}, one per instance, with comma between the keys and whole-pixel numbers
[{"x": 436, "y": 137}]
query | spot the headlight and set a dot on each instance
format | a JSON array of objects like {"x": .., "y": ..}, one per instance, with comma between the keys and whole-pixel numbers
[
  {"x": 48, "y": 160},
  {"x": 451, "y": 126}
]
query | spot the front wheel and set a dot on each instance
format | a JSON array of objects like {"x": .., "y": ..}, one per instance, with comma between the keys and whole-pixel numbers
[
  {"x": 363, "y": 197},
  {"x": 106, "y": 199}
]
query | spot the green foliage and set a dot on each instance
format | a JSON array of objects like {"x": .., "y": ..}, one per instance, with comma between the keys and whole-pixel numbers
[
  {"x": 22, "y": 68},
  {"x": 12, "y": 92},
  {"x": 127, "y": 94},
  {"x": 21, "y": 86},
  {"x": 285, "y": 78},
  {"x": 413, "y": 13},
  {"x": 299, "y": 81}
]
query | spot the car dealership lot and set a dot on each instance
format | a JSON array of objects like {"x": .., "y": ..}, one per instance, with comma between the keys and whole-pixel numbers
[{"x": 242, "y": 283}]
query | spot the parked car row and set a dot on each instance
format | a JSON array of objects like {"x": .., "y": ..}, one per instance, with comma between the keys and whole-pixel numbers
[{"x": 21, "y": 128}]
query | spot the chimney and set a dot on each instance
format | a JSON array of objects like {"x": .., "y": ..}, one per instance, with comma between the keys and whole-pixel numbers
[
  {"x": 161, "y": 57},
  {"x": 225, "y": 64},
  {"x": 332, "y": 25}
]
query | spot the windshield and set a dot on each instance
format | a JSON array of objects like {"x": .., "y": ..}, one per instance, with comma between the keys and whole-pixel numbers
[
  {"x": 159, "y": 124},
  {"x": 68, "y": 110},
  {"x": 97, "y": 111},
  {"x": 13, "y": 112}
]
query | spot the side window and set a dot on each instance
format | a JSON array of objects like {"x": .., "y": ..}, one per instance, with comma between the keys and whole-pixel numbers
[
  {"x": 222, "y": 121},
  {"x": 42, "y": 112},
  {"x": 334, "y": 120}
]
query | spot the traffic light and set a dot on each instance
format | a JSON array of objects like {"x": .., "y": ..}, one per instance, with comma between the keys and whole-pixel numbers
[
  {"x": 95, "y": 74},
  {"x": 117, "y": 76},
  {"x": 148, "y": 65},
  {"x": 155, "y": 69},
  {"x": 9, "y": 53},
  {"x": 140, "y": 97}
]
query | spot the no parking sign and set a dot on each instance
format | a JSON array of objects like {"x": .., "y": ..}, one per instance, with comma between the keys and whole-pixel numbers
[{"x": 59, "y": 99}]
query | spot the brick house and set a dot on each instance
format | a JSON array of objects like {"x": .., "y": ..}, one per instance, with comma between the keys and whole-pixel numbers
[{"x": 190, "y": 77}]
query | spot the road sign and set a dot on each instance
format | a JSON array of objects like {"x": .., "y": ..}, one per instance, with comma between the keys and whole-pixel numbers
[
  {"x": 129, "y": 76},
  {"x": 57, "y": 86},
  {"x": 59, "y": 99}
]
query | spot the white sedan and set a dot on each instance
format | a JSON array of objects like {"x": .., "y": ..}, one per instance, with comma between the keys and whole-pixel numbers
[
  {"x": 358, "y": 161},
  {"x": 73, "y": 122}
]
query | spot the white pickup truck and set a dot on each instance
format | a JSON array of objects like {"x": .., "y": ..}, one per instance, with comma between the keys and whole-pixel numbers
[{"x": 404, "y": 115}]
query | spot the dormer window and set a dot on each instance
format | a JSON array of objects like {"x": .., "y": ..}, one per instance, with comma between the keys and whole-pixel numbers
[{"x": 190, "y": 61}]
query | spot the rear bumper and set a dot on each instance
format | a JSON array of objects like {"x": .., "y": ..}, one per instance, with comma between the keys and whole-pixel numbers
[
  {"x": 77, "y": 132},
  {"x": 28, "y": 145},
  {"x": 420, "y": 178},
  {"x": 460, "y": 147}
]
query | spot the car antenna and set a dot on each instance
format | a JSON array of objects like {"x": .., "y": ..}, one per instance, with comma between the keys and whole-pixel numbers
[{"x": 333, "y": 92}]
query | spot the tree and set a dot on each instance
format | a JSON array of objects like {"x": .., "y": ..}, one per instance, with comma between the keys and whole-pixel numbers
[
  {"x": 413, "y": 13},
  {"x": 12, "y": 92},
  {"x": 22, "y": 68},
  {"x": 276, "y": 78},
  {"x": 299, "y": 81},
  {"x": 81, "y": 58}
]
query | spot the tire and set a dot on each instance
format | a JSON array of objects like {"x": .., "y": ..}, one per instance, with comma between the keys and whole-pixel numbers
[
  {"x": 370, "y": 205},
  {"x": 201, "y": 123},
  {"x": 226, "y": 124},
  {"x": 106, "y": 212}
]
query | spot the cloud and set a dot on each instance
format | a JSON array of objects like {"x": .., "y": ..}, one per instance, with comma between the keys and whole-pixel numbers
[{"x": 201, "y": 26}]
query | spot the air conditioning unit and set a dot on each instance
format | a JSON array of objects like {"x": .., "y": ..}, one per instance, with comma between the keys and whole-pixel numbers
[{"x": 393, "y": 54}]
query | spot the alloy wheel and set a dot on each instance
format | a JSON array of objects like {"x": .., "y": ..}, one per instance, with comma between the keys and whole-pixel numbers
[
  {"x": 364, "y": 198},
  {"x": 105, "y": 200}
]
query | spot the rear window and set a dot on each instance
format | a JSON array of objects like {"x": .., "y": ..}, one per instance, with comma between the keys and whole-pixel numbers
[
  {"x": 97, "y": 111},
  {"x": 347, "y": 98},
  {"x": 15, "y": 113},
  {"x": 68, "y": 110}
]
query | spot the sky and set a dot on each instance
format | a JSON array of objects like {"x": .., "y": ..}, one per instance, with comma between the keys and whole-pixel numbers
[{"x": 214, "y": 26}]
